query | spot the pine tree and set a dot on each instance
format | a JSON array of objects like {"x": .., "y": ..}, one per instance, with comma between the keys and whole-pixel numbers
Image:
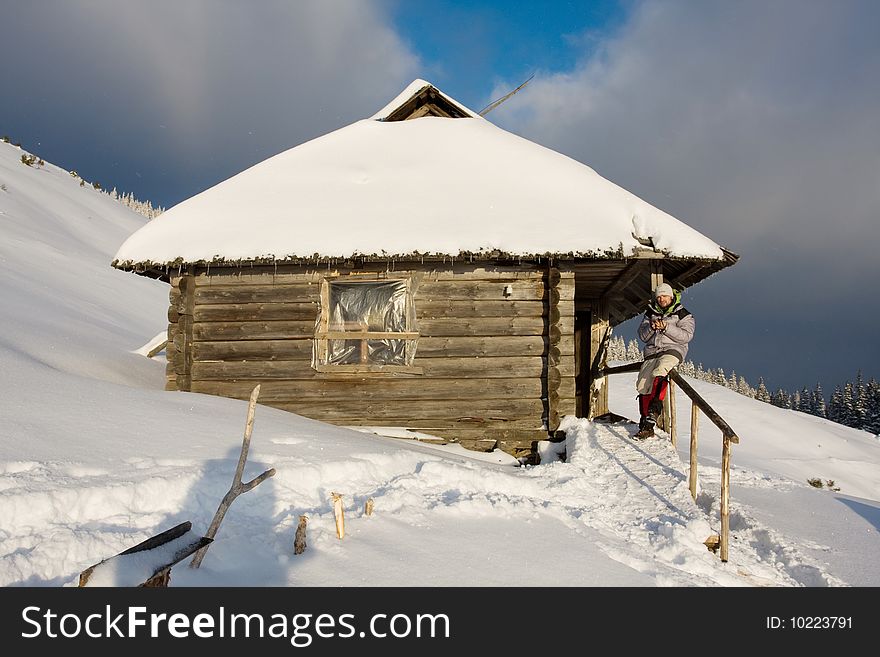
[
  {"x": 614, "y": 351},
  {"x": 805, "y": 401},
  {"x": 719, "y": 378},
  {"x": 780, "y": 398},
  {"x": 818, "y": 401},
  {"x": 744, "y": 388},
  {"x": 762, "y": 393},
  {"x": 835, "y": 406},
  {"x": 848, "y": 406},
  {"x": 732, "y": 381},
  {"x": 873, "y": 407},
  {"x": 633, "y": 352},
  {"x": 860, "y": 403},
  {"x": 796, "y": 401}
]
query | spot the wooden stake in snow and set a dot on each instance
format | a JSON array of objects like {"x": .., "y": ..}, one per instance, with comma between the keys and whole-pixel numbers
[
  {"x": 340, "y": 516},
  {"x": 299, "y": 541},
  {"x": 368, "y": 507},
  {"x": 237, "y": 487}
]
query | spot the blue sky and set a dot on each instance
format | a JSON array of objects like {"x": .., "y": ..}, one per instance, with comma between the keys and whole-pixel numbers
[{"x": 757, "y": 123}]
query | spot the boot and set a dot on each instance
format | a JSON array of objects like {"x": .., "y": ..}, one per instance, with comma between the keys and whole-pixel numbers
[{"x": 646, "y": 428}]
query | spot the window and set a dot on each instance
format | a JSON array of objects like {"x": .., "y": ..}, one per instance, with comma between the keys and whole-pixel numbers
[{"x": 365, "y": 326}]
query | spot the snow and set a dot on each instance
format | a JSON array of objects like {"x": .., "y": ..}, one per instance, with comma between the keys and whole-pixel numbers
[
  {"x": 96, "y": 457},
  {"x": 425, "y": 186}
]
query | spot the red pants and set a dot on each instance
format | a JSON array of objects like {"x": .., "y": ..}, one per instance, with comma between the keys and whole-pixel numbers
[{"x": 652, "y": 403}]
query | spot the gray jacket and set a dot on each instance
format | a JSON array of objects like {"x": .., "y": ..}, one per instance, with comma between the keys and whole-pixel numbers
[{"x": 675, "y": 337}]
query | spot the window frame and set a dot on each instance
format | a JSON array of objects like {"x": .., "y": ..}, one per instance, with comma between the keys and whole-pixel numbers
[{"x": 323, "y": 335}]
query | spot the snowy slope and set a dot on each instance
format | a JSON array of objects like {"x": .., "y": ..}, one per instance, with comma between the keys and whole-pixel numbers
[{"x": 95, "y": 457}]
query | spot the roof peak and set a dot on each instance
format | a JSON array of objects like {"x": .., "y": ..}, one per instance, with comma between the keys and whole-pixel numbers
[{"x": 421, "y": 98}]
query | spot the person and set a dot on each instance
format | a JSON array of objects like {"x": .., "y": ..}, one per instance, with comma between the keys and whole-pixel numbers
[{"x": 666, "y": 329}]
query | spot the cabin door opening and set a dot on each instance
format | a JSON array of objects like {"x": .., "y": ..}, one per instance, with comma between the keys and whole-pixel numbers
[{"x": 582, "y": 379}]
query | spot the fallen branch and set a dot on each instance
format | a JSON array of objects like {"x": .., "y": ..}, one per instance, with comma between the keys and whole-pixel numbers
[{"x": 237, "y": 487}]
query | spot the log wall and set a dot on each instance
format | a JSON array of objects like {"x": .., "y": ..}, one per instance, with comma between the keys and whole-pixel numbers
[{"x": 495, "y": 352}]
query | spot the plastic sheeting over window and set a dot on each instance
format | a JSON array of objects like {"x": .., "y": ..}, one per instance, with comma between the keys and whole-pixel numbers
[{"x": 372, "y": 314}]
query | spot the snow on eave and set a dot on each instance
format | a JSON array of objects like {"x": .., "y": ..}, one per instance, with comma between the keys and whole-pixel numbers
[{"x": 162, "y": 270}]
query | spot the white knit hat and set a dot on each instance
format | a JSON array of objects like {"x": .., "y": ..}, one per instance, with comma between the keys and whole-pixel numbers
[{"x": 664, "y": 289}]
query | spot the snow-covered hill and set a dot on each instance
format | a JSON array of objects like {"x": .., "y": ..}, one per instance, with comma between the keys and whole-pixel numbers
[{"x": 95, "y": 457}]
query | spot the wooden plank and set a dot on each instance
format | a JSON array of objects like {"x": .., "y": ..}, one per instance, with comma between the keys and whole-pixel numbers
[
  {"x": 464, "y": 368},
  {"x": 244, "y": 312},
  {"x": 345, "y": 387}
]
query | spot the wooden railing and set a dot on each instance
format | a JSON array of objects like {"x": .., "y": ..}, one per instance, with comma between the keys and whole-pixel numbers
[{"x": 728, "y": 436}]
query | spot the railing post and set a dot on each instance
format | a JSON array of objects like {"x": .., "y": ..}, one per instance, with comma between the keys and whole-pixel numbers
[
  {"x": 725, "y": 497},
  {"x": 692, "y": 475},
  {"x": 673, "y": 431}
]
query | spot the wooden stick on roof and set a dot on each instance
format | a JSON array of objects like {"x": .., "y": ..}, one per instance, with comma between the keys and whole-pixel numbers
[{"x": 491, "y": 106}]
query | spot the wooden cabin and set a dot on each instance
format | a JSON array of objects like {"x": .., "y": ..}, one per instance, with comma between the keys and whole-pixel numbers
[{"x": 421, "y": 269}]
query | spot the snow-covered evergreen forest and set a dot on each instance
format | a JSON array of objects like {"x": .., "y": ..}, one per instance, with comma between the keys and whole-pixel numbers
[
  {"x": 146, "y": 208},
  {"x": 856, "y": 404}
]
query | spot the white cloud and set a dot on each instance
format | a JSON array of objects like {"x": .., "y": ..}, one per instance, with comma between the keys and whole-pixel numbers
[{"x": 750, "y": 121}]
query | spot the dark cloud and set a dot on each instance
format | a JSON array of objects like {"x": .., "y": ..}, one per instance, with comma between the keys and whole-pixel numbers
[
  {"x": 758, "y": 123},
  {"x": 196, "y": 90}
]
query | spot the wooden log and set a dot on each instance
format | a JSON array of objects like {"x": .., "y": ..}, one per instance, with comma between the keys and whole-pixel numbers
[
  {"x": 528, "y": 290},
  {"x": 253, "y": 330},
  {"x": 488, "y": 326},
  {"x": 725, "y": 498},
  {"x": 427, "y": 327},
  {"x": 453, "y": 347},
  {"x": 344, "y": 387},
  {"x": 299, "y": 541},
  {"x": 155, "y": 350},
  {"x": 251, "y": 312},
  {"x": 490, "y": 437},
  {"x": 479, "y": 444},
  {"x": 226, "y": 294},
  {"x": 237, "y": 487},
  {"x": 287, "y": 274},
  {"x": 513, "y": 412},
  {"x": 464, "y": 368},
  {"x": 692, "y": 474},
  {"x": 436, "y": 308},
  {"x": 233, "y": 350},
  {"x": 620, "y": 369},
  {"x": 339, "y": 515},
  {"x": 704, "y": 406}
]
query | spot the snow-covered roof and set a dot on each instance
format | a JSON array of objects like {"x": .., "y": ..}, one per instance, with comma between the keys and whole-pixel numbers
[{"x": 429, "y": 186}]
